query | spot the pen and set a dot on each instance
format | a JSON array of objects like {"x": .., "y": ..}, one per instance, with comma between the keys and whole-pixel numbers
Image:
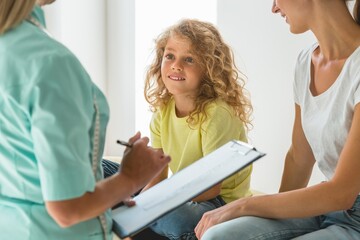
[{"x": 124, "y": 143}]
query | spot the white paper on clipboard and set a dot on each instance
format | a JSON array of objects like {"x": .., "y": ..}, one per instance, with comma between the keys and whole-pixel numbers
[{"x": 183, "y": 186}]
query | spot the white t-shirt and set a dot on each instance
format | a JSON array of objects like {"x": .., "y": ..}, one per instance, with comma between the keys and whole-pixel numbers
[{"x": 327, "y": 118}]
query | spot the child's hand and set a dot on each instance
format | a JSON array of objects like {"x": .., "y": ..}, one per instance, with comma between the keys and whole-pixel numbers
[{"x": 129, "y": 202}]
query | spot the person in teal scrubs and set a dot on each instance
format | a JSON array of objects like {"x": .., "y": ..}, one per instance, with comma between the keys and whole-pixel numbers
[{"x": 52, "y": 131}]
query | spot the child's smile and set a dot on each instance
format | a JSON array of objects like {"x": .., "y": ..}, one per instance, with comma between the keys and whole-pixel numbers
[{"x": 180, "y": 72}]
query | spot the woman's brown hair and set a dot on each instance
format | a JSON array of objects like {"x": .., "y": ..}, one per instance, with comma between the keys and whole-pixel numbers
[
  {"x": 356, "y": 12},
  {"x": 13, "y": 12}
]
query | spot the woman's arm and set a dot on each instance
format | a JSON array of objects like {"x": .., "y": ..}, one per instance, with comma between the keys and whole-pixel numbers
[
  {"x": 337, "y": 194},
  {"x": 299, "y": 160},
  {"x": 139, "y": 165}
]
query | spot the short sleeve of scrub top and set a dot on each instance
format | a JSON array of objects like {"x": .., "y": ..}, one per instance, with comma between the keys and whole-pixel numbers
[{"x": 61, "y": 125}]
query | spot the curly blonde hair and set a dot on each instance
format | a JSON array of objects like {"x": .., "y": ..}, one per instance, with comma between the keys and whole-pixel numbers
[
  {"x": 12, "y": 12},
  {"x": 221, "y": 80}
]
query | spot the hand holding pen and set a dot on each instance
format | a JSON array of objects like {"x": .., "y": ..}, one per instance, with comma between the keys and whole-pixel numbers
[{"x": 141, "y": 163}]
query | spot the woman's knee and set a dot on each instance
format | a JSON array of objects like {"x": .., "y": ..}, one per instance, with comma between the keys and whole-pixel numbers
[
  {"x": 245, "y": 227},
  {"x": 214, "y": 233}
]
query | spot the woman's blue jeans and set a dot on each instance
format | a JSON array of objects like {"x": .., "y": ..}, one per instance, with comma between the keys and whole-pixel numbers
[{"x": 331, "y": 226}]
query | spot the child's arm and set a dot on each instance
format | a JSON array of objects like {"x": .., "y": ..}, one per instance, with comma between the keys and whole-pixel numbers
[
  {"x": 209, "y": 194},
  {"x": 162, "y": 176}
]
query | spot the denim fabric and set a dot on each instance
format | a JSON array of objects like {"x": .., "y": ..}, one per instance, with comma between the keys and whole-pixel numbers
[
  {"x": 335, "y": 225},
  {"x": 109, "y": 167},
  {"x": 181, "y": 222}
]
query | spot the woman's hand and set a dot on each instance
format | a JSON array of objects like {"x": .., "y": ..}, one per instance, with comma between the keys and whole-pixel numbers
[
  {"x": 142, "y": 163},
  {"x": 213, "y": 218}
]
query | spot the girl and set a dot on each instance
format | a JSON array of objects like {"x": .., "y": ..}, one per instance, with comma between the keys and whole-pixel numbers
[
  {"x": 326, "y": 130},
  {"x": 199, "y": 104}
]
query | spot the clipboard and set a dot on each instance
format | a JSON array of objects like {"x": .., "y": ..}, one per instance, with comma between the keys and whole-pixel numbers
[{"x": 183, "y": 186}]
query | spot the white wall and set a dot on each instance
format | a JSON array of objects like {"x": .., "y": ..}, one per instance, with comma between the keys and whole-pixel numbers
[
  {"x": 81, "y": 26},
  {"x": 121, "y": 73},
  {"x": 102, "y": 34}
]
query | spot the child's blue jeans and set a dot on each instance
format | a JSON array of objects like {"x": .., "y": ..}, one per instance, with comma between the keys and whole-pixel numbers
[{"x": 181, "y": 222}]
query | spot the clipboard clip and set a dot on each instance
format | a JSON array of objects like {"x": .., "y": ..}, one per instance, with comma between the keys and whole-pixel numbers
[{"x": 242, "y": 147}]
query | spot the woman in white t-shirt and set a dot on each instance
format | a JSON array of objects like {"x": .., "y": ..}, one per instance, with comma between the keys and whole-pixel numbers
[{"x": 326, "y": 131}]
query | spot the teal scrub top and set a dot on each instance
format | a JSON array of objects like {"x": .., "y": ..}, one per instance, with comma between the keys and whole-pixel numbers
[{"x": 52, "y": 126}]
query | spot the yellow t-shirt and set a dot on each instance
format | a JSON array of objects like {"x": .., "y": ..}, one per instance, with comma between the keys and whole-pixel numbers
[{"x": 187, "y": 144}]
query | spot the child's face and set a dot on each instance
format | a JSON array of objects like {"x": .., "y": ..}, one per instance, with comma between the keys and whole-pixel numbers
[{"x": 180, "y": 71}]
